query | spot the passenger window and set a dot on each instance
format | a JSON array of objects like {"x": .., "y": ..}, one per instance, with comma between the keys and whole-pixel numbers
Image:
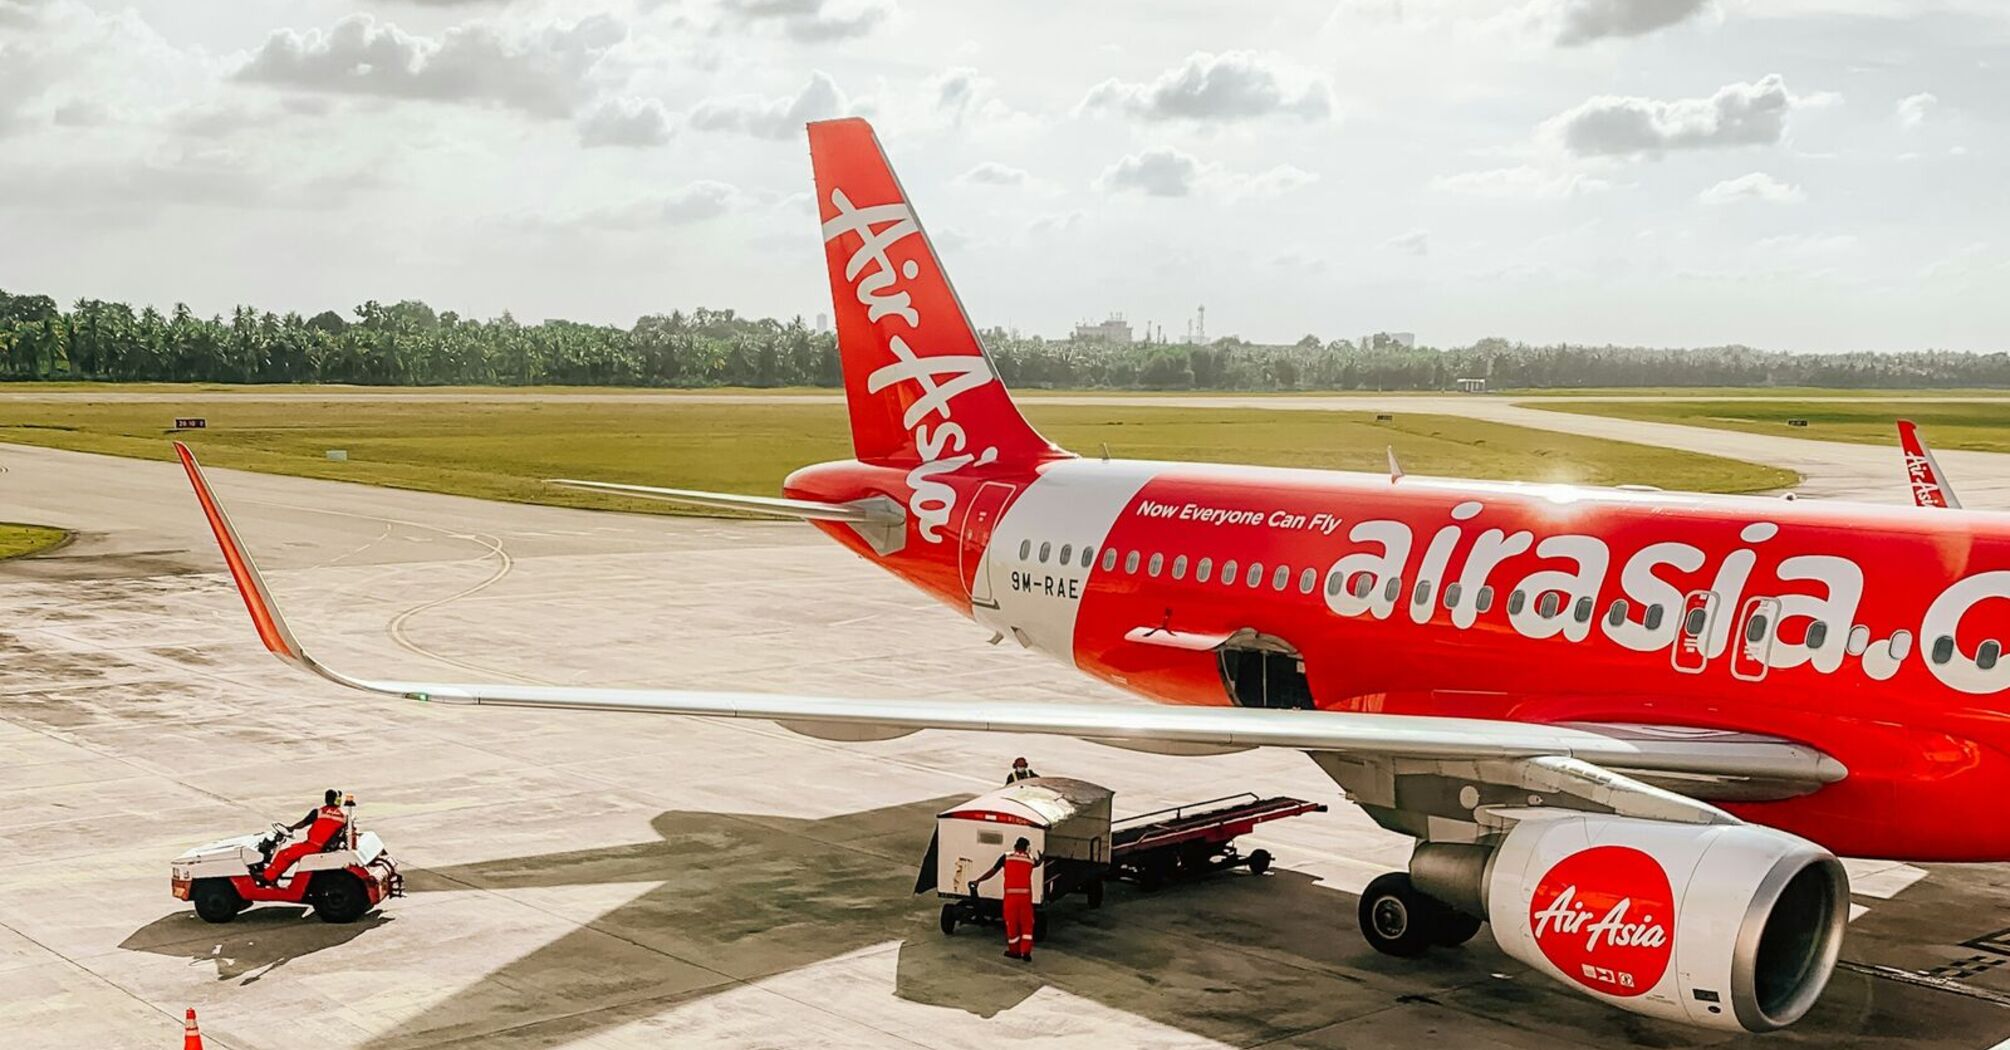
[
  {"x": 1067, "y": 554},
  {"x": 1158, "y": 562},
  {"x": 1203, "y": 571},
  {"x": 1422, "y": 595},
  {"x": 1617, "y": 614},
  {"x": 1335, "y": 583},
  {"x": 1131, "y": 562},
  {"x": 1109, "y": 559},
  {"x": 1025, "y": 549},
  {"x": 1655, "y": 614},
  {"x": 1280, "y": 577},
  {"x": 1755, "y": 628},
  {"x": 1516, "y": 600},
  {"x": 1818, "y": 632},
  {"x": 1045, "y": 549},
  {"x": 1393, "y": 589},
  {"x": 1307, "y": 580},
  {"x": 1254, "y": 576},
  {"x": 1901, "y": 644},
  {"x": 1986, "y": 654},
  {"x": 1548, "y": 604},
  {"x": 1484, "y": 600},
  {"x": 1451, "y": 596},
  {"x": 1582, "y": 611},
  {"x": 1943, "y": 648},
  {"x": 1179, "y": 567},
  {"x": 1228, "y": 573},
  {"x": 1088, "y": 556},
  {"x": 1692, "y": 624},
  {"x": 1859, "y": 640},
  {"x": 1363, "y": 584}
]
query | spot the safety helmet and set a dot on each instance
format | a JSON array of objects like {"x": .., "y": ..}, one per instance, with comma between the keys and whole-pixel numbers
[{"x": 1019, "y": 763}]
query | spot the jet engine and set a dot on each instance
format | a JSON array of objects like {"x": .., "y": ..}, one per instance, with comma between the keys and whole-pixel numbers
[{"x": 1729, "y": 926}]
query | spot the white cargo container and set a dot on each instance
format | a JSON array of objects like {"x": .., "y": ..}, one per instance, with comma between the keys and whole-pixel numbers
[{"x": 1067, "y": 821}]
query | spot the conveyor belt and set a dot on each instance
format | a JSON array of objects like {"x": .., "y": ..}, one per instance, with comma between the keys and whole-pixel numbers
[{"x": 1215, "y": 821}]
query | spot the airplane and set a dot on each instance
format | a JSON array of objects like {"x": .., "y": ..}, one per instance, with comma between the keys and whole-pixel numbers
[
  {"x": 1629, "y": 729},
  {"x": 1922, "y": 472}
]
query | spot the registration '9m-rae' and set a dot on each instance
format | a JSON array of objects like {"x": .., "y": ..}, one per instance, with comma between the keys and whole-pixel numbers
[{"x": 1630, "y": 729}]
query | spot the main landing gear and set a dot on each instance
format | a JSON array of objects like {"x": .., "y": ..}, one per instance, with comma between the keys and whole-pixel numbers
[{"x": 1398, "y": 919}]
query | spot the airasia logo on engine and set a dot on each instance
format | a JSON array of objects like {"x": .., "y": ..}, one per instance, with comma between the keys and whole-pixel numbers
[{"x": 1605, "y": 917}]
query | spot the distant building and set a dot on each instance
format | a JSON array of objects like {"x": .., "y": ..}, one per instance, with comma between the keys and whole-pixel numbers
[
  {"x": 823, "y": 322},
  {"x": 1473, "y": 386},
  {"x": 1407, "y": 340},
  {"x": 1114, "y": 330}
]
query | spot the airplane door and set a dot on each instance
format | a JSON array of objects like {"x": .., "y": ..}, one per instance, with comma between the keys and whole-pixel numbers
[
  {"x": 1758, "y": 623},
  {"x": 1692, "y": 632},
  {"x": 978, "y": 524}
]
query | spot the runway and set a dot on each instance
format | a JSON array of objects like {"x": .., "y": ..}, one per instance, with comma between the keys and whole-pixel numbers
[{"x": 620, "y": 881}]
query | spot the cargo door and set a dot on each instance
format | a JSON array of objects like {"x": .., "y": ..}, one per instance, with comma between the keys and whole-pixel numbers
[
  {"x": 979, "y": 522},
  {"x": 1691, "y": 652},
  {"x": 1758, "y": 625}
]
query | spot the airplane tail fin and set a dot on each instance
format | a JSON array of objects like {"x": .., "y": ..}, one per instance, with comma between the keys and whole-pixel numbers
[
  {"x": 917, "y": 381},
  {"x": 1922, "y": 472}
]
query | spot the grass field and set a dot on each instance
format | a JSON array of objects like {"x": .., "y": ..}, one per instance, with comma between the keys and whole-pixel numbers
[
  {"x": 502, "y": 450},
  {"x": 1978, "y": 425},
  {"x": 18, "y": 541}
]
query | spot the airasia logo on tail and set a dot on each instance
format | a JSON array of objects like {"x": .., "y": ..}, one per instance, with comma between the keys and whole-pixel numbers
[
  {"x": 1605, "y": 917},
  {"x": 939, "y": 440}
]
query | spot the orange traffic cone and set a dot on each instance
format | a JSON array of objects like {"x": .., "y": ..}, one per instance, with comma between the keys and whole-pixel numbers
[{"x": 191, "y": 1036}]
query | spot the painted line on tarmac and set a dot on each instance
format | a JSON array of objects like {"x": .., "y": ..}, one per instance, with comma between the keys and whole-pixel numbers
[{"x": 1920, "y": 980}]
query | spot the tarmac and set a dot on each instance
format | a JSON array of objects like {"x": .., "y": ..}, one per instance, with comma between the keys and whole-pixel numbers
[{"x": 599, "y": 880}]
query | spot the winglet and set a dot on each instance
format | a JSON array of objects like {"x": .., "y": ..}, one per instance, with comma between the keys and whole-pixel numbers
[
  {"x": 250, "y": 585},
  {"x": 1922, "y": 471},
  {"x": 1395, "y": 469}
]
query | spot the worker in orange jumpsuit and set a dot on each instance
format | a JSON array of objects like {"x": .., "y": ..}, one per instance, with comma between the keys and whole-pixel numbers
[
  {"x": 1018, "y": 866},
  {"x": 322, "y": 824}
]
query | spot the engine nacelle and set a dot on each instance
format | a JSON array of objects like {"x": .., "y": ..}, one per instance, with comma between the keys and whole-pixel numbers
[{"x": 1731, "y": 926}]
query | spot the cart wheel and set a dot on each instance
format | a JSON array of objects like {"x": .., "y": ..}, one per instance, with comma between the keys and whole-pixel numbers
[
  {"x": 1040, "y": 927},
  {"x": 338, "y": 897},
  {"x": 1095, "y": 892},
  {"x": 948, "y": 919},
  {"x": 1259, "y": 862},
  {"x": 216, "y": 900}
]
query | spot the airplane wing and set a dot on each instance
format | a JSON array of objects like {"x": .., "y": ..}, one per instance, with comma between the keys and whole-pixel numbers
[
  {"x": 1922, "y": 471},
  {"x": 863, "y": 512},
  {"x": 1573, "y": 755}
]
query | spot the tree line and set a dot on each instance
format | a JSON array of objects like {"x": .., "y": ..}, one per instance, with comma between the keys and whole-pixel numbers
[{"x": 411, "y": 344}]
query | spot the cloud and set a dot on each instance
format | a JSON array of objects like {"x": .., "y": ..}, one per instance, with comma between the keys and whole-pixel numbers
[
  {"x": 1234, "y": 85},
  {"x": 1583, "y": 21},
  {"x": 1415, "y": 242},
  {"x": 1912, "y": 109},
  {"x": 20, "y": 14},
  {"x": 812, "y": 20},
  {"x": 1520, "y": 183},
  {"x": 1737, "y": 115},
  {"x": 1165, "y": 172},
  {"x": 684, "y": 206},
  {"x": 637, "y": 122},
  {"x": 778, "y": 118},
  {"x": 992, "y": 173},
  {"x": 206, "y": 178},
  {"x": 1758, "y": 186},
  {"x": 545, "y": 72}
]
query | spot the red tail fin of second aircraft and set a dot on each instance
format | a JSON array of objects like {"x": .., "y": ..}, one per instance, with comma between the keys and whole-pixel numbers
[
  {"x": 1922, "y": 471},
  {"x": 920, "y": 387}
]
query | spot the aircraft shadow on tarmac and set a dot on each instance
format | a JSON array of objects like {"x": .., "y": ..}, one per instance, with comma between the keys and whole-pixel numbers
[
  {"x": 727, "y": 899},
  {"x": 251, "y": 947}
]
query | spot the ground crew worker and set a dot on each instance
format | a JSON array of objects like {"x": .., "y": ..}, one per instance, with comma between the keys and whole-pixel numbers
[
  {"x": 1020, "y": 771},
  {"x": 1018, "y": 866},
  {"x": 322, "y": 824}
]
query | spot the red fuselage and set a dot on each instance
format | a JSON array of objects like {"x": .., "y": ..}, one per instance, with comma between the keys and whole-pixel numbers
[{"x": 1823, "y": 623}]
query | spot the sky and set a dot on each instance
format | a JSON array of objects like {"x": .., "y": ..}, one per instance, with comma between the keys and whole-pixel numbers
[{"x": 1805, "y": 175}]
